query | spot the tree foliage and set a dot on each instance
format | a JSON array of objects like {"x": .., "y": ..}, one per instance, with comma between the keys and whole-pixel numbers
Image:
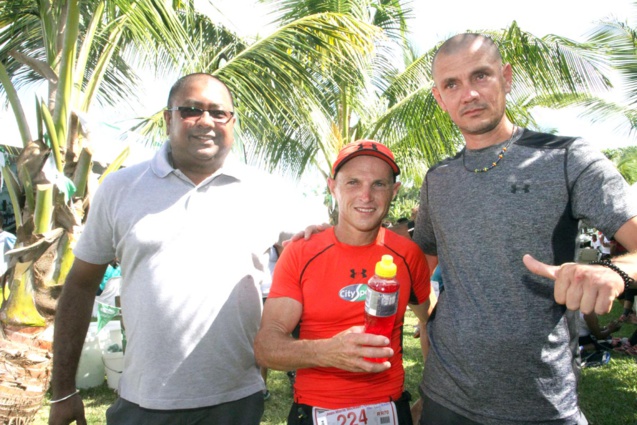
[{"x": 617, "y": 40}]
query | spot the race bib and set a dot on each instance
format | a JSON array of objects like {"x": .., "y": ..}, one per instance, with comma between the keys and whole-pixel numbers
[{"x": 369, "y": 414}]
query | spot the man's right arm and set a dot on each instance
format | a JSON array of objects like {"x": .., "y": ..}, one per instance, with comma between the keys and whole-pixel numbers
[
  {"x": 275, "y": 348},
  {"x": 71, "y": 324}
]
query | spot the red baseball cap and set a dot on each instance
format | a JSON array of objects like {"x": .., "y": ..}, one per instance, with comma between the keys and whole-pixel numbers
[{"x": 365, "y": 147}]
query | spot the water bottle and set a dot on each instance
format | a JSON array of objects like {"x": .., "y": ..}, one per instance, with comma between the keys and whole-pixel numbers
[{"x": 381, "y": 302}]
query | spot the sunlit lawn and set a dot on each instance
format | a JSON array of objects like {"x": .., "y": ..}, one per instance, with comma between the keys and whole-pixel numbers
[{"x": 608, "y": 394}]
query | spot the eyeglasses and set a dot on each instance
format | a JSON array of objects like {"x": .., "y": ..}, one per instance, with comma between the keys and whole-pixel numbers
[{"x": 217, "y": 115}]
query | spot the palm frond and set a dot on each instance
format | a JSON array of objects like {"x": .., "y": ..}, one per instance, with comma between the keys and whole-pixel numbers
[
  {"x": 287, "y": 11},
  {"x": 392, "y": 17},
  {"x": 285, "y": 82},
  {"x": 619, "y": 41},
  {"x": 551, "y": 64}
]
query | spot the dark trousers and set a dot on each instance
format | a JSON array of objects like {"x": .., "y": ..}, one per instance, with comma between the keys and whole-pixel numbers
[
  {"x": 435, "y": 414},
  {"x": 245, "y": 411},
  {"x": 301, "y": 414}
]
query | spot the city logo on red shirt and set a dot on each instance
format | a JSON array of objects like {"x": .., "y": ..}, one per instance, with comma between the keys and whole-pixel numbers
[{"x": 353, "y": 293}]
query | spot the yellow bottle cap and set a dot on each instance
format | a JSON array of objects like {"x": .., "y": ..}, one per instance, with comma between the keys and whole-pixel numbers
[{"x": 386, "y": 267}]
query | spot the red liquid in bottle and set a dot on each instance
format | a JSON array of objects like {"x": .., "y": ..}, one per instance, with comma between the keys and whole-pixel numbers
[{"x": 381, "y": 302}]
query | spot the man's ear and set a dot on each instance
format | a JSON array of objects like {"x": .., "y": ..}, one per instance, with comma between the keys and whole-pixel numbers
[
  {"x": 507, "y": 73},
  {"x": 167, "y": 119},
  {"x": 439, "y": 101},
  {"x": 331, "y": 184},
  {"x": 395, "y": 190}
]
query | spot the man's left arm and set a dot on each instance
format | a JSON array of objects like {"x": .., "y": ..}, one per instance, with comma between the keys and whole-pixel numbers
[
  {"x": 588, "y": 287},
  {"x": 422, "y": 312},
  {"x": 627, "y": 236}
]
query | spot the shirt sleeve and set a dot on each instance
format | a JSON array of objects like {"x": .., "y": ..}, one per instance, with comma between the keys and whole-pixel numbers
[
  {"x": 286, "y": 278},
  {"x": 421, "y": 284},
  {"x": 95, "y": 244},
  {"x": 599, "y": 194},
  {"x": 424, "y": 234}
]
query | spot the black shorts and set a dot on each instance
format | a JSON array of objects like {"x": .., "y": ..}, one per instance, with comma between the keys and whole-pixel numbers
[{"x": 301, "y": 414}]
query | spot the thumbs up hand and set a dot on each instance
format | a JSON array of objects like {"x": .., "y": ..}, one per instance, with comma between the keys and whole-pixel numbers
[{"x": 581, "y": 287}]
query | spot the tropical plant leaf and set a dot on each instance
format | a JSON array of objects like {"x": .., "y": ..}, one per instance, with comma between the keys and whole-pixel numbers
[{"x": 19, "y": 308}]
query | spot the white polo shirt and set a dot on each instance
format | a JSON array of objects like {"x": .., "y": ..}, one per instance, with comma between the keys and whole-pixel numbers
[{"x": 190, "y": 274}]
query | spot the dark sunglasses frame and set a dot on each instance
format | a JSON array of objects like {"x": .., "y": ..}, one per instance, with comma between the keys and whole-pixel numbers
[{"x": 217, "y": 115}]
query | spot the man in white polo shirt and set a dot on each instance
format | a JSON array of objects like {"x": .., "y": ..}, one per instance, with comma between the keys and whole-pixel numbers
[{"x": 190, "y": 297}]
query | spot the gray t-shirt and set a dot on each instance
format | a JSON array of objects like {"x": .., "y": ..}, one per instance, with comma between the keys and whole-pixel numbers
[{"x": 502, "y": 350}]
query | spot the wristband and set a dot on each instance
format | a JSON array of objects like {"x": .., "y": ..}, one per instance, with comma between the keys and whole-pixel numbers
[
  {"x": 628, "y": 281},
  {"x": 64, "y": 398}
]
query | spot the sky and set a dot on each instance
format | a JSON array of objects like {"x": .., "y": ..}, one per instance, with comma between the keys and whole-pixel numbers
[{"x": 434, "y": 21}]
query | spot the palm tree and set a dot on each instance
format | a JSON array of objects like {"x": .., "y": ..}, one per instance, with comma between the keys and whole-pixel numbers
[
  {"x": 78, "y": 50},
  {"x": 84, "y": 51},
  {"x": 321, "y": 91},
  {"x": 349, "y": 102},
  {"x": 283, "y": 83},
  {"x": 618, "y": 39},
  {"x": 392, "y": 102}
]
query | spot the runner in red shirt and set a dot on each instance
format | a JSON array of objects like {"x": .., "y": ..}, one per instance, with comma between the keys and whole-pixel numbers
[{"x": 321, "y": 284}]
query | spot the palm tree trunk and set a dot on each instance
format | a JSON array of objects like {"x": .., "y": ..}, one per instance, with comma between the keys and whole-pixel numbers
[{"x": 25, "y": 368}]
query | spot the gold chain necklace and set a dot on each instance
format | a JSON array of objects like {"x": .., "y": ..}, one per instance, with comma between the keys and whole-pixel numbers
[{"x": 495, "y": 163}]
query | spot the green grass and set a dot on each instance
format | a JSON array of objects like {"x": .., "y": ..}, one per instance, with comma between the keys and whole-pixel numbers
[{"x": 608, "y": 394}]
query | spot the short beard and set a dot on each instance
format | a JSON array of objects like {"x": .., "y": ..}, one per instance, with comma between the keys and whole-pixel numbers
[{"x": 483, "y": 128}]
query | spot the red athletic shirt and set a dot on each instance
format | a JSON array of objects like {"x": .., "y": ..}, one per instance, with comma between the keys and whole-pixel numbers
[{"x": 330, "y": 280}]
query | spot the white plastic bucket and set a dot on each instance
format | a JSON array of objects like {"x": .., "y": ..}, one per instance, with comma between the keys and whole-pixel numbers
[
  {"x": 114, "y": 365},
  {"x": 90, "y": 371},
  {"x": 110, "y": 334}
]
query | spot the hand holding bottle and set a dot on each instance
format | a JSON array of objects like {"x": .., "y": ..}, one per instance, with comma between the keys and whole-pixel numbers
[{"x": 356, "y": 351}]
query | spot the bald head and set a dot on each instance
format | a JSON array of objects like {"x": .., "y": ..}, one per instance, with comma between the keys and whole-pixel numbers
[
  {"x": 190, "y": 77},
  {"x": 468, "y": 41}
]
